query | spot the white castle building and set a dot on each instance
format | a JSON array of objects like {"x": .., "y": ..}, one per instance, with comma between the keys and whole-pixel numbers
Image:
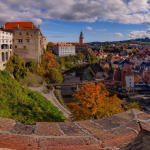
[{"x": 5, "y": 47}]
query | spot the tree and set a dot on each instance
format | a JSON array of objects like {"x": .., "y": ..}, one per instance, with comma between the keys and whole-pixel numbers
[
  {"x": 93, "y": 58},
  {"x": 50, "y": 45},
  {"x": 55, "y": 76},
  {"x": 93, "y": 102},
  {"x": 48, "y": 61},
  {"x": 80, "y": 56}
]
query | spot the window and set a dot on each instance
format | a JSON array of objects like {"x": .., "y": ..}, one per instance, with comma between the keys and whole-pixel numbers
[
  {"x": 20, "y": 33},
  {"x": 24, "y": 47},
  {"x": 27, "y": 40},
  {"x": 27, "y": 33},
  {"x": 130, "y": 82},
  {"x": 20, "y": 40},
  {"x": 15, "y": 46},
  {"x": 14, "y": 33}
]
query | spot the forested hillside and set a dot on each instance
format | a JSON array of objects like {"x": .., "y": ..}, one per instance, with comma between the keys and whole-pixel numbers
[{"x": 24, "y": 105}]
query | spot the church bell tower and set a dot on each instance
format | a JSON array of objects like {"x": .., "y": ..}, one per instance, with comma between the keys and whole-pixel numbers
[{"x": 81, "y": 38}]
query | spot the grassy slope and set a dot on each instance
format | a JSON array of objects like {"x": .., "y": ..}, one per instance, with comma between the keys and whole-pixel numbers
[
  {"x": 24, "y": 105},
  {"x": 32, "y": 80}
]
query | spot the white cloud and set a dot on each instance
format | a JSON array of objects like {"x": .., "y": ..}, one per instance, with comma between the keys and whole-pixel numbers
[
  {"x": 119, "y": 34},
  {"x": 88, "y": 28},
  {"x": 139, "y": 34},
  {"x": 122, "y": 11}
]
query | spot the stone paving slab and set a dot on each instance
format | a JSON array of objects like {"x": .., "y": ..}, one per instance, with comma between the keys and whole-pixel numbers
[
  {"x": 91, "y": 127},
  {"x": 47, "y": 129},
  {"x": 106, "y": 124},
  {"x": 6, "y": 124},
  {"x": 70, "y": 129}
]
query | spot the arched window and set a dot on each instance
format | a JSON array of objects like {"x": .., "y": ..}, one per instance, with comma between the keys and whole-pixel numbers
[
  {"x": 6, "y": 55},
  {"x": 3, "y": 58}
]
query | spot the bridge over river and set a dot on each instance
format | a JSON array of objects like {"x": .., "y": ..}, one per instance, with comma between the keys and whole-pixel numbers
[{"x": 75, "y": 83}]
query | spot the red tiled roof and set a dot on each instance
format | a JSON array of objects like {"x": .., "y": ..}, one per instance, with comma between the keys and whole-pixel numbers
[
  {"x": 64, "y": 45},
  {"x": 125, "y": 67},
  {"x": 129, "y": 72},
  {"x": 43, "y": 36},
  {"x": 79, "y": 44},
  {"x": 136, "y": 79},
  {"x": 22, "y": 25}
]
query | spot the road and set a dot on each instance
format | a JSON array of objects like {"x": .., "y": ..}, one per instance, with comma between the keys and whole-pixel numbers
[{"x": 51, "y": 97}]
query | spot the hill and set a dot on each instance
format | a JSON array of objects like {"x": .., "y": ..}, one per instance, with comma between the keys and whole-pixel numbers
[
  {"x": 24, "y": 105},
  {"x": 135, "y": 41}
]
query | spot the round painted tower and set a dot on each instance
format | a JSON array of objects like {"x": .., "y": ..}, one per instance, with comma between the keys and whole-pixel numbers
[{"x": 81, "y": 38}]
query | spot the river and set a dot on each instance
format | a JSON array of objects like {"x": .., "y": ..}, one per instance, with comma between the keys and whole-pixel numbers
[{"x": 73, "y": 75}]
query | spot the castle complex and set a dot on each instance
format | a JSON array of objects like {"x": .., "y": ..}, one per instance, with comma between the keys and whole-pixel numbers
[{"x": 28, "y": 41}]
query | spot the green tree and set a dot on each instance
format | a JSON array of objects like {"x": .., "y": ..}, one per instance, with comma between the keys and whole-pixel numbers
[{"x": 55, "y": 76}]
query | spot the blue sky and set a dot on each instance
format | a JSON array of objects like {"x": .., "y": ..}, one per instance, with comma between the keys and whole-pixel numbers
[{"x": 100, "y": 20}]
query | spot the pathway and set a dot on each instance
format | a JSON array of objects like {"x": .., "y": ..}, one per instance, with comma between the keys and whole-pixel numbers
[{"x": 51, "y": 97}]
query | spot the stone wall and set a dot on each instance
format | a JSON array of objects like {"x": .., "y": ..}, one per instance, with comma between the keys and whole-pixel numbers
[
  {"x": 125, "y": 131},
  {"x": 31, "y": 46}
]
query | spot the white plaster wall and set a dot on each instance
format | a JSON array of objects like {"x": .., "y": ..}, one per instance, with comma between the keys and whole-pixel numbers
[{"x": 129, "y": 79}]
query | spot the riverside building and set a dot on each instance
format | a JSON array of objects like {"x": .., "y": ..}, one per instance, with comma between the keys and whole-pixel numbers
[{"x": 63, "y": 49}]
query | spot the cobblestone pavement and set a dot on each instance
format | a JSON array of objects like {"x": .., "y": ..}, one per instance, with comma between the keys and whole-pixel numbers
[{"x": 51, "y": 97}]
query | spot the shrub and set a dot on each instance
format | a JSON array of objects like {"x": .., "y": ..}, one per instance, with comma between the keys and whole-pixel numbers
[
  {"x": 50, "y": 87},
  {"x": 45, "y": 91}
]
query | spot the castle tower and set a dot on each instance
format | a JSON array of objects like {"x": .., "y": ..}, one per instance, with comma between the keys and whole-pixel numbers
[{"x": 81, "y": 38}]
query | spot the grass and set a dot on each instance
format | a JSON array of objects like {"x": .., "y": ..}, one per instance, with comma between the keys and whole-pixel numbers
[{"x": 32, "y": 80}]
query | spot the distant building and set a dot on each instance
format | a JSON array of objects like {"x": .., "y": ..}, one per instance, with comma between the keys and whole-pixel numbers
[
  {"x": 80, "y": 46},
  {"x": 81, "y": 38},
  {"x": 5, "y": 47},
  {"x": 28, "y": 41},
  {"x": 63, "y": 49}
]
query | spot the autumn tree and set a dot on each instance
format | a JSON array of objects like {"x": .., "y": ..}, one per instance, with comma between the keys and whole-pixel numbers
[
  {"x": 50, "y": 45},
  {"x": 93, "y": 101},
  {"x": 49, "y": 67}
]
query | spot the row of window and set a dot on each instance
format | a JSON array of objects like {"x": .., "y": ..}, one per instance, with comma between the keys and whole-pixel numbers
[
  {"x": 21, "y": 41},
  {"x": 23, "y": 46},
  {"x": 5, "y": 41},
  {"x": 2, "y": 32},
  {"x": 27, "y": 33}
]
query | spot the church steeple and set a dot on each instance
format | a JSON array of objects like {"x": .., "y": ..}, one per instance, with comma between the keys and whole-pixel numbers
[{"x": 81, "y": 38}]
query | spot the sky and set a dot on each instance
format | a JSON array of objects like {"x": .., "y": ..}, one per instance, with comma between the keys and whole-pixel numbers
[{"x": 99, "y": 20}]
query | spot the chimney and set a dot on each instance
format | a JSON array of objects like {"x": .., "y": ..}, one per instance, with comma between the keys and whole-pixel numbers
[
  {"x": 39, "y": 27},
  {"x": 32, "y": 25},
  {"x": 4, "y": 26},
  {"x": 18, "y": 26}
]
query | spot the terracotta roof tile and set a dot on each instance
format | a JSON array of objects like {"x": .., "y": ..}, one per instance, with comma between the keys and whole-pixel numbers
[
  {"x": 129, "y": 72},
  {"x": 136, "y": 79},
  {"x": 22, "y": 25}
]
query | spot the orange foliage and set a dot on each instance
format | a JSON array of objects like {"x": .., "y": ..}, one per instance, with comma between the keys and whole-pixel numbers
[
  {"x": 93, "y": 102},
  {"x": 48, "y": 62}
]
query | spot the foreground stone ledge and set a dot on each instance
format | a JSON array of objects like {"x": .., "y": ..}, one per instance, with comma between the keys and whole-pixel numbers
[
  {"x": 67, "y": 143},
  {"x": 125, "y": 131}
]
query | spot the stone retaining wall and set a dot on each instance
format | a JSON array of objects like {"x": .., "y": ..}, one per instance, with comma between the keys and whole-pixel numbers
[{"x": 126, "y": 131}]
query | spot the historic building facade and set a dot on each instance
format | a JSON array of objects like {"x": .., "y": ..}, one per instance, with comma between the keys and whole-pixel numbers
[
  {"x": 5, "y": 47},
  {"x": 63, "y": 49},
  {"x": 28, "y": 41}
]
